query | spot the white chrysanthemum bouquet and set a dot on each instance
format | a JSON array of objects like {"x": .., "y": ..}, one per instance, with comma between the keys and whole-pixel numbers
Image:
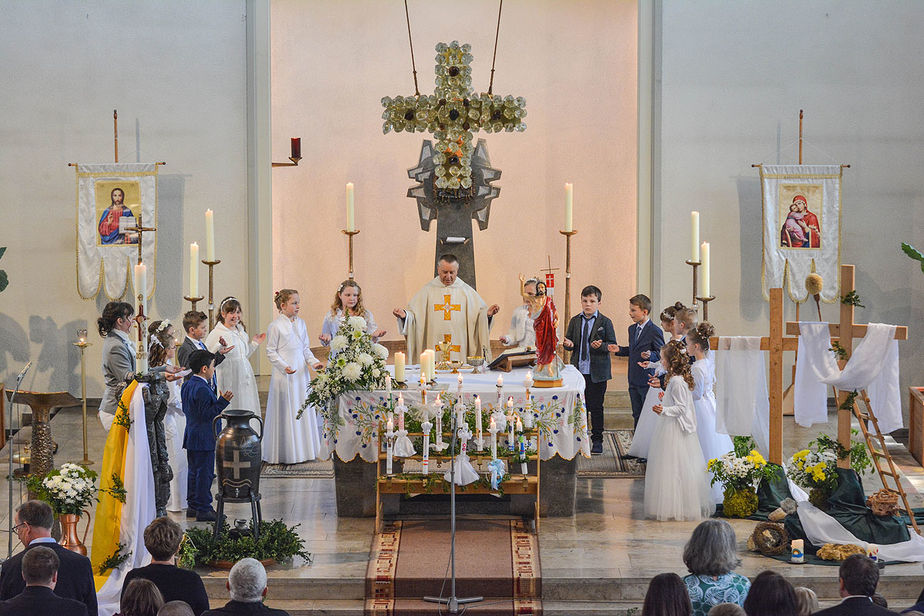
[
  {"x": 356, "y": 364},
  {"x": 69, "y": 489}
]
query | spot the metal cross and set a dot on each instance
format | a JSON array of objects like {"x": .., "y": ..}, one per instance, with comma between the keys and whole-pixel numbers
[{"x": 139, "y": 228}]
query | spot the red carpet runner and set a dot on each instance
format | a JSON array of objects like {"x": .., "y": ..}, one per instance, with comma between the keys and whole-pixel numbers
[{"x": 496, "y": 559}]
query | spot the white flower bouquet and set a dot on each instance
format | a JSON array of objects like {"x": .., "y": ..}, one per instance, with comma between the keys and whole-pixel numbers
[
  {"x": 357, "y": 364},
  {"x": 69, "y": 489}
]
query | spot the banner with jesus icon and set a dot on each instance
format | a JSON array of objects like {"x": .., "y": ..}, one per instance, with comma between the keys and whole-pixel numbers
[
  {"x": 801, "y": 206},
  {"x": 114, "y": 200}
]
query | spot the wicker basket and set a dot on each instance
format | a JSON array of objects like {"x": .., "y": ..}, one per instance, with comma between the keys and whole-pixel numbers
[
  {"x": 771, "y": 538},
  {"x": 883, "y": 503}
]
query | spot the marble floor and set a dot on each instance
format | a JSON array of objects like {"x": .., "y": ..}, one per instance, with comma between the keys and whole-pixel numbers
[{"x": 605, "y": 552}]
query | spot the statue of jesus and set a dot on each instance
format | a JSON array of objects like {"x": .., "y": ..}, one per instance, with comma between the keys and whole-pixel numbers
[{"x": 448, "y": 316}]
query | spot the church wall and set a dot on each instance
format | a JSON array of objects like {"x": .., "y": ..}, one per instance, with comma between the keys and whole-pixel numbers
[
  {"x": 175, "y": 72},
  {"x": 574, "y": 62},
  {"x": 734, "y": 76}
]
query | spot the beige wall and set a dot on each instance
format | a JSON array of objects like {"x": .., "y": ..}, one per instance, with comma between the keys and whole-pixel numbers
[{"x": 575, "y": 62}]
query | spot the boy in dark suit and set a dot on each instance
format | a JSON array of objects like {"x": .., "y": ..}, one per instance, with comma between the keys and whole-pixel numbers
[
  {"x": 589, "y": 335},
  {"x": 645, "y": 342},
  {"x": 40, "y": 574},
  {"x": 196, "y": 326},
  {"x": 201, "y": 406}
]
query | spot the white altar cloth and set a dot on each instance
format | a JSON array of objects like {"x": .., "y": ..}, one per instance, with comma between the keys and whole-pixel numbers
[{"x": 561, "y": 415}]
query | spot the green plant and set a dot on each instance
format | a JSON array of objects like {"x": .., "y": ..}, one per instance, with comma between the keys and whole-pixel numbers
[
  {"x": 114, "y": 560},
  {"x": 815, "y": 467},
  {"x": 908, "y": 249},
  {"x": 852, "y": 299},
  {"x": 277, "y": 541},
  {"x": 840, "y": 351},
  {"x": 742, "y": 468},
  {"x": 847, "y": 404}
]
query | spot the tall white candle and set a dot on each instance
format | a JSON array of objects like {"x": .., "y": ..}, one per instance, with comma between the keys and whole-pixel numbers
[
  {"x": 388, "y": 385},
  {"x": 528, "y": 379},
  {"x": 492, "y": 428},
  {"x": 194, "y": 270},
  {"x": 569, "y": 207},
  {"x": 478, "y": 430},
  {"x": 694, "y": 236},
  {"x": 351, "y": 224},
  {"x": 389, "y": 432},
  {"x": 704, "y": 276},
  {"x": 425, "y": 464},
  {"x": 141, "y": 285},
  {"x": 399, "y": 366},
  {"x": 460, "y": 387},
  {"x": 209, "y": 235}
]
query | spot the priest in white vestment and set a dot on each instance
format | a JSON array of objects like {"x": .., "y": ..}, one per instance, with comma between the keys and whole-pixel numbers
[{"x": 447, "y": 315}]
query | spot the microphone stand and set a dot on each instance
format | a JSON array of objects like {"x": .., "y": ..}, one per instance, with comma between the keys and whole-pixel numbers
[
  {"x": 453, "y": 602},
  {"x": 19, "y": 379}
]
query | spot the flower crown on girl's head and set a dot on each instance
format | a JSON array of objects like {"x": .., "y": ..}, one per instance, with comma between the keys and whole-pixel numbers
[
  {"x": 163, "y": 326},
  {"x": 231, "y": 297}
]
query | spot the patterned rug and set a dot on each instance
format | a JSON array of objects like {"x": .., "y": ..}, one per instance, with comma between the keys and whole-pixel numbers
[
  {"x": 610, "y": 465},
  {"x": 314, "y": 469},
  {"x": 495, "y": 559}
]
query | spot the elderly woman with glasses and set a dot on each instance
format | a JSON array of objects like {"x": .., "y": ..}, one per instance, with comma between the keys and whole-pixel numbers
[{"x": 711, "y": 556}]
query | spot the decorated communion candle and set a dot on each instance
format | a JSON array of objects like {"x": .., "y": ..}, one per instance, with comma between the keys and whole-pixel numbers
[
  {"x": 872, "y": 551},
  {"x": 389, "y": 455},
  {"x": 425, "y": 464},
  {"x": 528, "y": 380},
  {"x": 694, "y": 237},
  {"x": 798, "y": 556},
  {"x": 439, "y": 420},
  {"x": 478, "y": 431},
  {"x": 522, "y": 454},
  {"x": 492, "y": 428},
  {"x": 388, "y": 385},
  {"x": 399, "y": 366},
  {"x": 141, "y": 285},
  {"x": 460, "y": 387}
]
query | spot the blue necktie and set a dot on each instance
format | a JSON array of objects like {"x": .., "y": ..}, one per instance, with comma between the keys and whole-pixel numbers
[{"x": 585, "y": 339}]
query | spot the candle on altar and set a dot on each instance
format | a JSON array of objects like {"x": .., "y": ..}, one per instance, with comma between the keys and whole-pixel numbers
[
  {"x": 528, "y": 379},
  {"x": 510, "y": 425},
  {"x": 296, "y": 147},
  {"x": 500, "y": 381},
  {"x": 694, "y": 237},
  {"x": 141, "y": 286},
  {"x": 460, "y": 387},
  {"x": 401, "y": 415},
  {"x": 388, "y": 385},
  {"x": 492, "y": 428},
  {"x": 438, "y": 404},
  {"x": 425, "y": 464},
  {"x": 399, "y": 366},
  {"x": 350, "y": 224},
  {"x": 423, "y": 367},
  {"x": 460, "y": 415},
  {"x": 519, "y": 424},
  {"x": 523, "y": 468},
  {"x": 478, "y": 430},
  {"x": 194, "y": 270},
  {"x": 209, "y": 236},
  {"x": 423, "y": 394},
  {"x": 704, "y": 276},
  {"x": 569, "y": 207}
]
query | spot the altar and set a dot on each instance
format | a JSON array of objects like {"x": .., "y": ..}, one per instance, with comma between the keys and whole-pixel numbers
[{"x": 557, "y": 415}]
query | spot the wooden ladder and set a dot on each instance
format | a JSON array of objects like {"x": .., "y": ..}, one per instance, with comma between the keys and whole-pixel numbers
[{"x": 880, "y": 453}]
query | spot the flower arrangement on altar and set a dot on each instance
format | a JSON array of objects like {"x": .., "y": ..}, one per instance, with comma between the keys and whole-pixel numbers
[
  {"x": 815, "y": 468},
  {"x": 70, "y": 489},
  {"x": 357, "y": 364},
  {"x": 740, "y": 471}
]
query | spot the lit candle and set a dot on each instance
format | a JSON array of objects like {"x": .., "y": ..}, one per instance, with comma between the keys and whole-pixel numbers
[
  {"x": 389, "y": 454},
  {"x": 460, "y": 387},
  {"x": 523, "y": 468},
  {"x": 401, "y": 409},
  {"x": 425, "y": 464},
  {"x": 351, "y": 225},
  {"x": 798, "y": 555},
  {"x": 694, "y": 237},
  {"x": 388, "y": 385},
  {"x": 209, "y": 235},
  {"x": 704, "y": 276},
  {"x": 569, "y": 207},
  {"x": 141, "y": 285},
  {"x": 460, "y": 415},
  {"x": 296, "y": 147},
  {"x": 399, "y": 366},
  {"x": 528, "y": 379},
  {"x": 500, "y": 380},
  {"x": 439, "y": 422},
  {"x": 511, "y": 442},
  {"x": 492, "y": 428},
  {"x": 478, "y": 430},
  {"x": 194, "y": 270},
  {"x": 519, "y": 424}
]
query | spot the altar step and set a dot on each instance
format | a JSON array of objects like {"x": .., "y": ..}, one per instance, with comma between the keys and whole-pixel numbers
[{"x": 306, "y": 596}]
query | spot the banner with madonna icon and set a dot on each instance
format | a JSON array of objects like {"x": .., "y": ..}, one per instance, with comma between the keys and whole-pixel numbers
[
  {"x": 802, "y": 220},
  {"x": 112, "y": 199}
]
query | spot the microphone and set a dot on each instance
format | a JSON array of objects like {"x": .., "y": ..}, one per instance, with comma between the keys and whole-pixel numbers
[{"x": 22, "y": 373}]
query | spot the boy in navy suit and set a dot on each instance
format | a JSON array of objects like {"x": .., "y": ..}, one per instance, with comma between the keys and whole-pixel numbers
[
  {"x": 589, "y": 335},
  {"x": 645, "y": 341},
  {"x": 201, "y": 406}
]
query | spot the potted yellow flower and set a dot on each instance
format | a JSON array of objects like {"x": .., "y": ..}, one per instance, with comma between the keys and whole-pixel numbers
[
  {"x": 740, "y": 471},
  {"x": 815, "y": 468}
]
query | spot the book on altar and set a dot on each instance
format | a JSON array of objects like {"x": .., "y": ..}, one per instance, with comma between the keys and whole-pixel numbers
[{"x": 519, "y": 356}]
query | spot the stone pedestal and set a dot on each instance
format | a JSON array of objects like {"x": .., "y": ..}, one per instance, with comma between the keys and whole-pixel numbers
[{"x": 355, "y": 486}]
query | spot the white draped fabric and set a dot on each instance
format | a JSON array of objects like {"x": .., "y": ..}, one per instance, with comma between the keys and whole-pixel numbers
[
  {"x": 872, "y": 366},
  {"x": 138, "y": 510},
  {"x": 742, "y": 402},
  {"x": 812, "y": 236},
  {"x": 116, "y": 259},
  {"x": 561, "y": 420}
]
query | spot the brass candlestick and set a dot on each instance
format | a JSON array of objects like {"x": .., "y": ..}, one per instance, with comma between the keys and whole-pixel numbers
[
  {"x": 193, "y": 300},
  {"x": 695, "y": 265},
  {"x": 294, "y": 162},
  {"x": 705, "y": 301},
  {"x": 211, "y": 265},
  {"x": 82, "y": 344},
  {"x": 350, "y": 235},
  {"x": 568, "y": 235}
]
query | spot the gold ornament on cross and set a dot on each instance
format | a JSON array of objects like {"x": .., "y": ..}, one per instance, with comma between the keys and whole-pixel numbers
[
  {"x": 446, "y": 347},
  {"x": 447, "y": 308}
]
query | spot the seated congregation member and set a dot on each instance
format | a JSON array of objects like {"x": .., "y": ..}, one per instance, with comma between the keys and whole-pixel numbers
[
  {"x": 858, "y": 576},
  {"x": 40, "y": 574},
  {"x": 32, "y": 523},
  {"x": 727, "y": 609},
  {"x": 917, "y": 607},
  {"x": 666, "y": 596},
  {"x": 711, "y": 556},
  {"x": 175, "y": 608},
  {"x": 771, "y": 595},
  {"x": 141, "y": 598},
  {"x": 807, "y": 601},
  {"x": 162, "y": 539},
  {"x": 247, "y": 587}
]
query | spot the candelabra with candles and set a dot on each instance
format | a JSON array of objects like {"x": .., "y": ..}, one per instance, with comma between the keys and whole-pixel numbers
[
  {"x": 695, "y": 265},
  {"x": 349, "y": 235},
  {"x": 296, "y": 154},
  {"x": 82, "y": 344}
]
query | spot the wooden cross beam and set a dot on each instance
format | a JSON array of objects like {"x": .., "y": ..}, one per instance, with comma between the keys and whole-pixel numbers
[{"x": 844, "y": 332}]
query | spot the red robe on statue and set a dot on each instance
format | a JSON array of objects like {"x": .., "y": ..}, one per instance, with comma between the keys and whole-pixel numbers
[{"x": 546, "y": 335}]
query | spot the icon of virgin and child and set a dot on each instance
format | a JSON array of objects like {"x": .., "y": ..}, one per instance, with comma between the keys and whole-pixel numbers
[{"x": 801, "y": 228}]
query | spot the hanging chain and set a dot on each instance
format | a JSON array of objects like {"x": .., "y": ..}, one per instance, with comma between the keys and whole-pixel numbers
[
  {"x": 411, "y": 43},
  {"x": 496, "y": 36}
]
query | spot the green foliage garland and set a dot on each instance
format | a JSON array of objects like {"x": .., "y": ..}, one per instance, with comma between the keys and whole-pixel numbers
[{"x": 277, "y": 541}]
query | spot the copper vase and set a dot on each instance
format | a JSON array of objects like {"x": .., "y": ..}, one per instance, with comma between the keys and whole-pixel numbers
[{"x": 69, "y": 538}]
